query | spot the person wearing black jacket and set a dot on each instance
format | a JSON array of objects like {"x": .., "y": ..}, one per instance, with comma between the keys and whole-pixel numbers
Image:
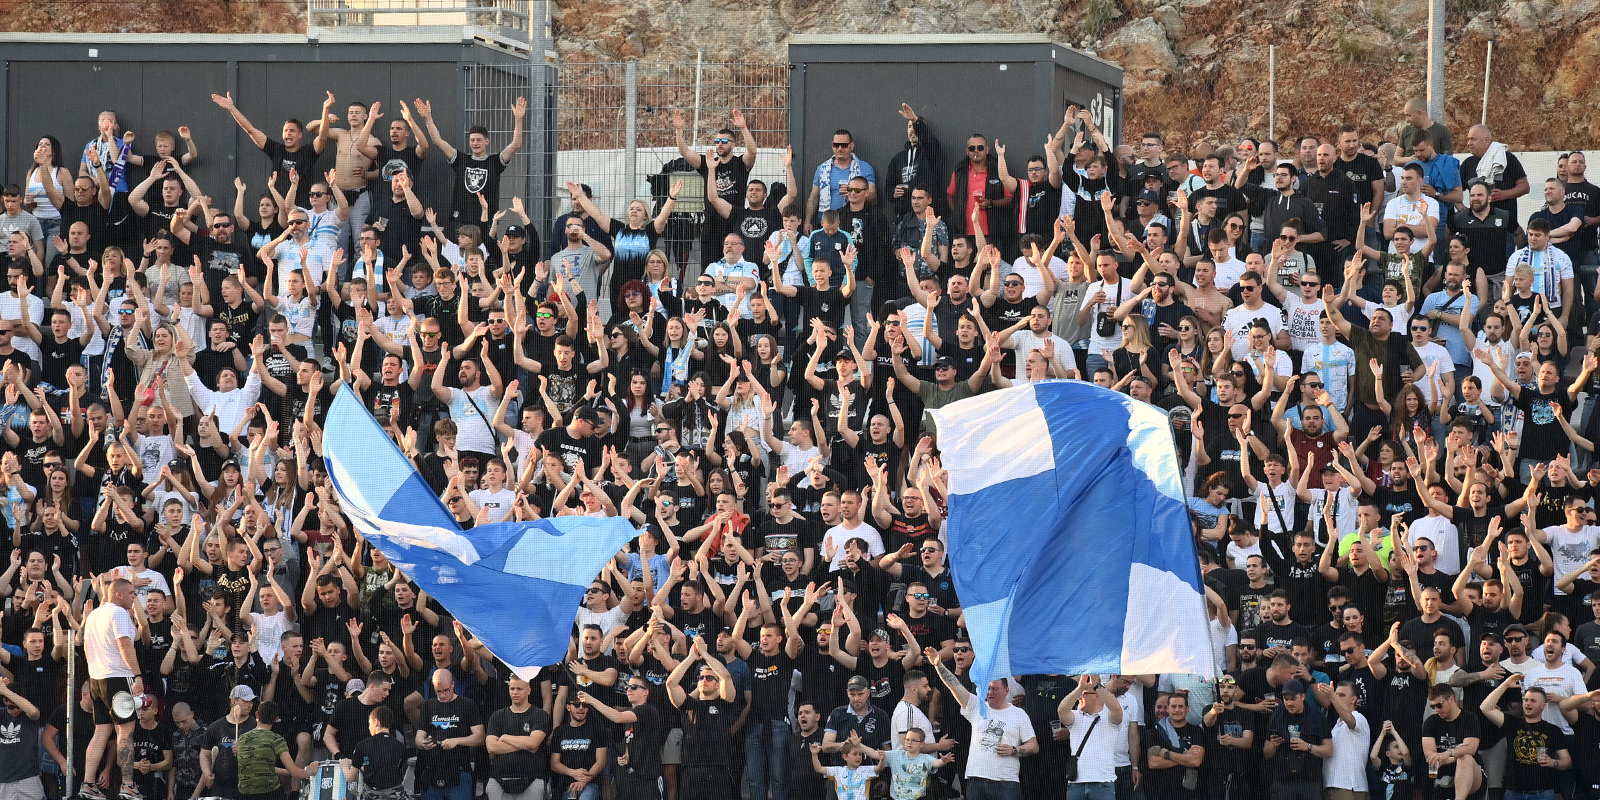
[
  {"x": 1285, "y": 204},
  {"x": 873, "y": 238},
  {"x": 1000, "y": 226},
  {"x": 919, "y": 163},
  {"x": 1336, "y": 199},
  {"x": 803, "y": 781}
]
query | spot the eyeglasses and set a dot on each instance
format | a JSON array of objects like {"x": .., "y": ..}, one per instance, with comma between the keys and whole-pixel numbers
[
  {"x": 1543, "y": 334},
  {"x": 841, "y": 145},
  {"x": 1041, "y": 169},
  {"x": 721, "y": 140}
]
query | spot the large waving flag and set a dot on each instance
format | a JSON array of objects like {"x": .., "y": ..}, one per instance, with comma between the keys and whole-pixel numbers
[
  {"x": 1070, "y": 541},
  {"x": 516, "y": 585}
]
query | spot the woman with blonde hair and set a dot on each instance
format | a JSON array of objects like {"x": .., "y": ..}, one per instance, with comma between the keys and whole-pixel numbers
[
  {"x": 633, "y": 239},
  {"x": 160, "y": 361}
]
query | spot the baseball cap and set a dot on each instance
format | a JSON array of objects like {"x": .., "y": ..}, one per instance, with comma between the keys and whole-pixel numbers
[
  {"x": 945, "y": 362},
  {"x": 857, "y": 683},
  {"x": 517, "y": 231},
  {"x": 1148, "y": 196},
  {"x": 1294, "y": 686},
  {"x": 1515, "y": 627},
  {"x": 1524, "y": 354},
  {"x": 356, "y": 685},
  {"x": 879, "y": 633},
  {"x": 242, "y": 692},
  {"x": 589, "y": 415}
]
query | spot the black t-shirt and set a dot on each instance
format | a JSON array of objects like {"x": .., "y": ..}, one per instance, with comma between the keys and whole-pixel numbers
[
  {"x": 218, "y": 261},
  {"x": 521, "y": 763},
  {"x": 474, "y": 176},
  {"x": 1542, "y": 437},
  {"x": 1523, "y": 773},
  {"x": 381, "y": 759},
  {"x": 391, "y": 162},
  {"x": 442, "y": 721},
  {"x": 642, "y": 740},
  {"x": 769, "y": 683},
  {"x": 707, "y": 739},
  {"x": 221, "y": 735},
  {"x": 1362, "y": 171},
  {"x": 572, "y": 450},
  {"x": 754, "y": 225},
  {"x": 732, "y": 177},
  {"x": 55, "y": 357},
  {"x": 350, "y": 719},
  {"x": 1450, "y": 734},
  {"x": 578, "y": 747},
  {"x": 1168, "y": 783},
  {"x": 828, "y": 304},
  {"x": 303, "y": 160}
]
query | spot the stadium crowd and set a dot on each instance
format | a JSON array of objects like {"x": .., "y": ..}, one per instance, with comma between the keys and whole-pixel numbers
[{"x": 1372, "y": 356}]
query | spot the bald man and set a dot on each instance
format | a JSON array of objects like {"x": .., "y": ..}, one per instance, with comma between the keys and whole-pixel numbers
[
  {"x": 1417, "y": 119},
  {"x": 448, "y": 727}
]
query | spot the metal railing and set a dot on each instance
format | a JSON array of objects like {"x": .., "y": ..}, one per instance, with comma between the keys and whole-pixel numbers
[
  {"x": 609, "y": 125},
  {"x": 508, "y": 18}
]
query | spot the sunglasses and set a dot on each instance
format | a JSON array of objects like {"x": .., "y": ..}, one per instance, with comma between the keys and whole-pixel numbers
[
  {"x": 1309, "y": 284},
  {"x": 663, "y": 430},
  {"x": 1041, "y": 169},
  {"x": 1234, "y": 226},
  {"x": 708, "y": 677},
  {"x": 1127, "y": 326},
  {"x": 317, "y": 194},
  {"x": 543, "y": 315},
  {"x": 841, "y": 145},
  {"x": 221, "y": 224},
  {"x": 960, "y": 649},
  {"x": 430, "y": 333},
  {"x": 1311, "y": 386},
  {"x": 976, "y": 148},
  {"x": 1348, "y": 650},
  {"x": 1436, "y": 706},
  {"x": 1423, "y": 329},
  {"x": 1247, "y": 647},
  {"x": 1288, "y": 238},
  {"x": 930, "y": 550},
  {"x": 297, "y": 222},
  {"x": 855, "y": 190},
  {"x": 1188, "y": 328},
  {"x": 919, "y": 595},
  {"x": 1167, "y": 285},
  {"x": 1235, "y": 416},
  {"x": 1011, "y": 283},
  {"x": 593, "y": 590},
  {"x": 721, "y": 140},
  {"x": 1516, "y": 639}
]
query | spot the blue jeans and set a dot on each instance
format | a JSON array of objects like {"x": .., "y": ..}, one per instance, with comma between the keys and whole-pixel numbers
[
  {"x": 1547, "y": 794},
  {"x": 984, "y": 789},
  {"x": 462, "y": 790},
  {"x": 765, "y": 745},
  {"x": 1092, "y": 791},
  {"x": 860, "y": 307},
  {"x": 1093, "y": 362}
]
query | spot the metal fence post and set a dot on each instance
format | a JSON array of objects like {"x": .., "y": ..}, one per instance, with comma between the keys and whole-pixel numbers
[
  {"x": 72, "y": 682},
  {"x": 630, "y": 112}
]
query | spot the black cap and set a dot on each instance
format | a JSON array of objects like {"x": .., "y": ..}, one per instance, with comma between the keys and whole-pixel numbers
[
  {"x": 1149, "y": 196},
  {"x": 177, "y": 464},
  {"x": 945, "y": 362},
  {"x": 589, "y": 415},
  {"x": 517, "y": 231}
]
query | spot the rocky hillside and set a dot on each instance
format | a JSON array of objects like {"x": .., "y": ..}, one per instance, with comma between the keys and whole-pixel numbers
[{"x": 1195, "y": 68}]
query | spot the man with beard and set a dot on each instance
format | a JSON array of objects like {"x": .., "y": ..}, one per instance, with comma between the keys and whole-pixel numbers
[
  {"x": 919, "y": 163},
  {"x": 1487, "y": 232}
]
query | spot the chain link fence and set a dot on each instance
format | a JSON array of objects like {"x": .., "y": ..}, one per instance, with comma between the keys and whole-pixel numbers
[{"x": 610, "y": 126}]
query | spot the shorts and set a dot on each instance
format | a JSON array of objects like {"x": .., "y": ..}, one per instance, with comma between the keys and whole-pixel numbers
[
  {"x": 25, "y": 789},
  {"x": 103, "y": 690},
  {"x": 672, "y": 749}
]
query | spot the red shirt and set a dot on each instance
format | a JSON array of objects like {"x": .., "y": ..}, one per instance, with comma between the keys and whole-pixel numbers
[{"x": 977, "y": 185}]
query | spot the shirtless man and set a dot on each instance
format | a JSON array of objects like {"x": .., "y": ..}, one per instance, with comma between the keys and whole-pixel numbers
[
  {"x": 1208, "y": 303},
  {"x": 352, "y": 163}
]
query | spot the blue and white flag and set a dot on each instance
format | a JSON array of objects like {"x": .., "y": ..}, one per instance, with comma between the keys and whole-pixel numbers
[
  {"x": 516, "y": 585},
  {"x": 1070, "y": 541}
]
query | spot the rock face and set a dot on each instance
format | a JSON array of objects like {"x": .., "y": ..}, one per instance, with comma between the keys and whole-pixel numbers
[{"x": 1196, "y": 69}]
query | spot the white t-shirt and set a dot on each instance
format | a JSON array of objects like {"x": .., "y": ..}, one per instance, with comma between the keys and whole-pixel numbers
[
  {"x": 1502, "y": 351},
  {"x": 906, "y": 717},
  {"x": 1097, "y": 754},
  {"x": 1284, "y": 492},
  {"x": 1336, "y": 363},
  {"x": 1305, "y": 333},
  {"x": 157, "y": 580},
  {"x": 1559, "y": 683},
  {"x": 1446, "y": 542},
  {"x": 101, "y": 630},
  {"x": 269, "y": 633},
  {"x": 1434, "y": 353},
  {"x": 1570, "y": 549},
  {"x": 1239, "y": 318},
  {"x": 1009, "y": 725},
  {"x": 11, "y": 308},
  {"x": 839, "y": 534},
  {"x": 1132, "y": 714},
  {"x": 1032, "y": 281},
  {"x": 1228, "y": 274},
  {"x": 1413, "y": 214},
  {"x": 498, "y": 503},
  {"x": 1096, "y": 341},
  {"x": 1347, "y": 767}
]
